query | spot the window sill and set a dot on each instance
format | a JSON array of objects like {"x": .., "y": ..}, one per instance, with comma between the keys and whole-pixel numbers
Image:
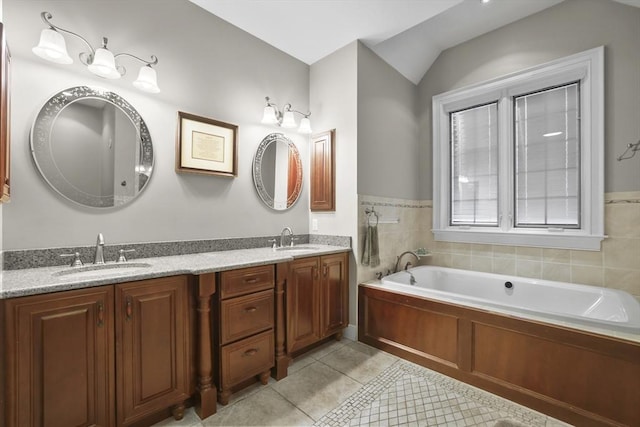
[{"x": 546, "y": 239}]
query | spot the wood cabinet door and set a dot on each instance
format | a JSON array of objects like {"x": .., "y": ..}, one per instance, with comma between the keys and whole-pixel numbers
[
  {"x": 322, "y": 172},
  {"x": 152, "y": 346},
  {"x": 334, "y": 291},
  {"x": 59, "y": 359},
  {"x": 303, "y": 303},
  {"x": 5, "y": 117}
]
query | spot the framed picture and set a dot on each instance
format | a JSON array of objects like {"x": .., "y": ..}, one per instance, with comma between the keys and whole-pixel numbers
[{"x": 206, "y": 146}]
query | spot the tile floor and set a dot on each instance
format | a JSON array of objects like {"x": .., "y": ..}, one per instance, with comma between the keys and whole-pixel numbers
[{"x": 348, "y": 383}]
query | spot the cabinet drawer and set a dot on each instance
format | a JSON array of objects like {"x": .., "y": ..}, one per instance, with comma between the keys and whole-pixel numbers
[
  {"x": 246, "y": 315},
  {"x": 247, "y": 358},
  {"x": 246, "y": 280}
]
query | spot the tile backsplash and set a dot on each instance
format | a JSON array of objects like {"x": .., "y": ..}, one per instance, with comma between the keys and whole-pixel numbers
[{"x": 616, "y": 265}]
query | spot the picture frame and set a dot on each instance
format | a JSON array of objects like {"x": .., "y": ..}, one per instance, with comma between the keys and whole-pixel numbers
[{"x": 206, "y": 146}]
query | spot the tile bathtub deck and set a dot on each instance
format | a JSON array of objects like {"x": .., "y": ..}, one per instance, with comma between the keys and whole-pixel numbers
[{"x": 348, "y": 383}]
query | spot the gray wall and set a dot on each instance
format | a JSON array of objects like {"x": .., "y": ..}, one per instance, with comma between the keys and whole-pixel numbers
[
  {"x": 333, "y": 93},
  {"x": 388, "y": 160},
  {"x": 570, "y": 27},
  {"x": 206, "y": 67}
]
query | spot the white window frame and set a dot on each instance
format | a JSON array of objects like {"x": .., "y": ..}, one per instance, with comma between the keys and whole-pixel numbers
[{"x": 586, "y": 67}]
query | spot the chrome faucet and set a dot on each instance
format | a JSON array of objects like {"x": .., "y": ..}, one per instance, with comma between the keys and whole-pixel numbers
[
  {"x": 408, "y": 264},
  {"x": 282, "y": 234},
  {"x": 99, "y": 259}
]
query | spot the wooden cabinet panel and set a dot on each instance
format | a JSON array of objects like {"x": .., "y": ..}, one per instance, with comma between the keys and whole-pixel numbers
[
  {"x": 245, "y": 342},
  {"x": 246, "y": 358},
  {"x": 5, "y": 117},
  {"x": 246, "y": 315},
  {"x": 574, "y": 375},
  {"x": 246, "y": 280},
  {"x": 152, "y": 335},
  {"x": 322, "y": 172},
  {"x": 335, "y": 293},
  {"x": 303, "y": 308},
  {"x": 387, "y": 319},
  {"x": 60, "y": 358}
]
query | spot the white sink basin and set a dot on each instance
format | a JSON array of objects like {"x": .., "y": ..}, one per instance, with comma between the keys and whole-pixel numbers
[{"x": 100, "y": 270}]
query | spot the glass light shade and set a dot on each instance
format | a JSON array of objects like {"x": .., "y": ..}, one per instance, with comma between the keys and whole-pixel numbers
[
  {"x": 52, "y": 47},
  {"x": 305, "y": 125},
  {"x": 104, "y": 64},
  {"x": 288, "y": 121},
  {"x": 147, "y": 80},
  {"x": 269, "y": 115}
]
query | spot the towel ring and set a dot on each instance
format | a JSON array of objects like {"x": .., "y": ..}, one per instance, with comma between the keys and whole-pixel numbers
[{"x": 369, "y": 213}]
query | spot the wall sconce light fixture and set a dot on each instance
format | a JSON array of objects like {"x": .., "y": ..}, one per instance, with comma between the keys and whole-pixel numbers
[
  {"x": 285, "y": 118},
  {"x": 101, "y": 61}
]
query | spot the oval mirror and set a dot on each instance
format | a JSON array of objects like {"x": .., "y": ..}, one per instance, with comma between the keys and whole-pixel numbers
[
  {"x": 277, "y": 172},
  {"x": 92, "y": 147}
]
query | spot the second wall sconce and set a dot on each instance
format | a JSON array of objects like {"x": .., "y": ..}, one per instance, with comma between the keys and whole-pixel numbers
[
  {"x": 286, "y": 118},
  {"x": 100, "y": 61}
]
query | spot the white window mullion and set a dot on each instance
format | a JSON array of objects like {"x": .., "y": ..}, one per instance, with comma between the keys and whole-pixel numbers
[{"x": 505, "y": 174}]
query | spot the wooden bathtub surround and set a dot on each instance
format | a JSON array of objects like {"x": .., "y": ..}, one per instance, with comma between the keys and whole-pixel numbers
[
  {"x": 244, "y": 339},
  {"x": 577, "y": 376},
  {"x": 315, "y": 307}
]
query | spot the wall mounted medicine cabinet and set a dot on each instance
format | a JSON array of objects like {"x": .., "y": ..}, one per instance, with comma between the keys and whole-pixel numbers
[
  {"x": 5, "y": 112},
  {"x": 323, "y": 195}
]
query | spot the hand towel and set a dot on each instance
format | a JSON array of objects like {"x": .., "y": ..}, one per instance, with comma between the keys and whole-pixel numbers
[{"x": 371, "y": 249}]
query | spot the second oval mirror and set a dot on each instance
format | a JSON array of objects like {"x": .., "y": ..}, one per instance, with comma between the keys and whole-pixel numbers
[{"x": 277, "y": 172}]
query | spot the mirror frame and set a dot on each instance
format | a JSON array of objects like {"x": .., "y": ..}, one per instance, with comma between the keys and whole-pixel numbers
[
  {"x": 257, "y": 171},
  {"x": 40, "y": 143}
]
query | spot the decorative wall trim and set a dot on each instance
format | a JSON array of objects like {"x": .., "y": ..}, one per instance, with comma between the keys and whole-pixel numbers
[
  {"x": 622, "y": 197},
  {"x": 418, "y": 204},
  {"x": 35, "y": 258}
]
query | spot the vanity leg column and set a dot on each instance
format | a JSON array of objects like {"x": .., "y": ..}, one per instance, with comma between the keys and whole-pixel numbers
[
  {"x": 206, "y": 390},
  {"x": 282, "y": 358}
]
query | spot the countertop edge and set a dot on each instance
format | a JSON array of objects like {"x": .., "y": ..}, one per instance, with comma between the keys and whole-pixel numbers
[{"x": 35, "y": 281}]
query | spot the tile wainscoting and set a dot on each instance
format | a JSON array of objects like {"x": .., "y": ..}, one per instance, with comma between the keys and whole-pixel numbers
[{"x": 616, "y": 265}]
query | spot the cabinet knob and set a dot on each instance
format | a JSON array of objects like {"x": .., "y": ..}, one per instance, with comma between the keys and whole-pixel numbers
[
  {"x": 251, "y": 280},
  {"x": 250, "y": 309}
]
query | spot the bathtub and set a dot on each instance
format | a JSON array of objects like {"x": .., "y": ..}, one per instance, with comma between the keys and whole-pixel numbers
[
  {"x": 557, "y": 302},
  {"x": 569, "y": 351}
]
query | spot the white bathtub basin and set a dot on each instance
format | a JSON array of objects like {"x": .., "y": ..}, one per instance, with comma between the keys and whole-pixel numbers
[{"x": 588, "y": 305}]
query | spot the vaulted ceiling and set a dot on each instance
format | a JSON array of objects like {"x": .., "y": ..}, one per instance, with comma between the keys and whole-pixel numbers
[{"x": 408, "y": 34}]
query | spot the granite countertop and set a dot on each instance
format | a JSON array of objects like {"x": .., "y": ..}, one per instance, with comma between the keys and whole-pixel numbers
[{"x": 32, "y": 281}]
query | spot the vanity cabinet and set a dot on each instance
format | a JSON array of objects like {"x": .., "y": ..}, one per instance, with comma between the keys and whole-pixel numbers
[
  {"x": 245, "y": 332},
  {"x": 322, "y": 172},
  {"x": 152, "y": 347},
  {"x": 60, "y": 359},
  {"x": 104, "y": 356},
  {"x": 316, "y": 300}
]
